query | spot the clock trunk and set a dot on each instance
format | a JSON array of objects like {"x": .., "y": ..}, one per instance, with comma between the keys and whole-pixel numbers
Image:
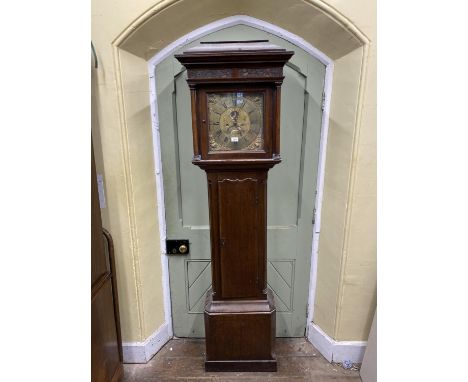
[{"x": 237, "y": 201}]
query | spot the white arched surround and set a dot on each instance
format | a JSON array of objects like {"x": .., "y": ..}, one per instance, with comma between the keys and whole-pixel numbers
[
  {"x": 314, "y": 52},
  {"x": 133, "y": 46},
  {"x": 196, "y": 34}
]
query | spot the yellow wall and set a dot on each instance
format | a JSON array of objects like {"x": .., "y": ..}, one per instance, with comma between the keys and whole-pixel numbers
[{"x": 125, "y": 35}]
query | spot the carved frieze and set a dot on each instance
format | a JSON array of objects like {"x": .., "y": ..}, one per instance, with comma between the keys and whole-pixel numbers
[
  {"x": 260, "y": 72},
  {"x": 235, "y": 73},
  {"x": 210, "y": 73}
]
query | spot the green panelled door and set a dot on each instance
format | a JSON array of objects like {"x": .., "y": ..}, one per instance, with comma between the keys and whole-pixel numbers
[{"x": 291, "y": 189}]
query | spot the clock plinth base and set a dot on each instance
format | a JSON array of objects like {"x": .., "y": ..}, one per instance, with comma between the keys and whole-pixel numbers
[{"x": 240, "y": 334}]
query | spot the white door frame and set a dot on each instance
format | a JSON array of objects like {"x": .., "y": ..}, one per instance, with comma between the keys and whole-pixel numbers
[{"x": 169, "y": 50}]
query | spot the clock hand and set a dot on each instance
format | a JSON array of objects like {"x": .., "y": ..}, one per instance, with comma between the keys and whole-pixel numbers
[{"x": 229, "y": 127}]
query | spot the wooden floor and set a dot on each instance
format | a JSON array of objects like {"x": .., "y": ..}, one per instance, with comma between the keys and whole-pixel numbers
[{"x": 183, "y": 360}]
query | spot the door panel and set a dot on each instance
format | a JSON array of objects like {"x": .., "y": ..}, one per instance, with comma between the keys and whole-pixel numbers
[
  {"x": 291, "y": 190},
  {"x": 242, "y": 233},
  {"x": 104, "y": 350}
]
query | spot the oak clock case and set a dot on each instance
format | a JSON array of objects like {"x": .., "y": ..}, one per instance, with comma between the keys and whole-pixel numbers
[{"x": 235, "y": 99}]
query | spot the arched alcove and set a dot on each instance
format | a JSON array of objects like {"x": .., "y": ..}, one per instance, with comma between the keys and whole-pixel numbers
[{"x": 316, "y": 23}]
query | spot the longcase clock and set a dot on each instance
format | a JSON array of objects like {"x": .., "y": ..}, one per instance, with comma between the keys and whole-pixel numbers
[{"x": 235, "y": 95}]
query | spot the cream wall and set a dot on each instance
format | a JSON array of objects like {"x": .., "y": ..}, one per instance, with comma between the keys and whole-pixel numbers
[
  {"x": 358, "y": 281},
  {"x": 126, "y": 34}
]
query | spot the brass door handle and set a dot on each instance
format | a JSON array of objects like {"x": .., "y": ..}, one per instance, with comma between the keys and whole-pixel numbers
[{"x": 183, "y": 248}]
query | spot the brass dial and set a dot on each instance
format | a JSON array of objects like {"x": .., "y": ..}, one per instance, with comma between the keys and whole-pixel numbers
[{"x": 235, "y": 121}]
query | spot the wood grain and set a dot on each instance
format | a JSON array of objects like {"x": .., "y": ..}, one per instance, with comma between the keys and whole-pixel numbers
[{"x": 106, "y": 341}]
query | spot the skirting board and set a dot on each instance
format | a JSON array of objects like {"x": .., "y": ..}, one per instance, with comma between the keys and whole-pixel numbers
[
  {"x": 142, "y": 352},
  {"x": 335, "y": 351}
]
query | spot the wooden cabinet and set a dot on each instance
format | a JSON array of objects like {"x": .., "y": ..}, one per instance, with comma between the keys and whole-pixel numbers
[{"x": 106, "y": 343}]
